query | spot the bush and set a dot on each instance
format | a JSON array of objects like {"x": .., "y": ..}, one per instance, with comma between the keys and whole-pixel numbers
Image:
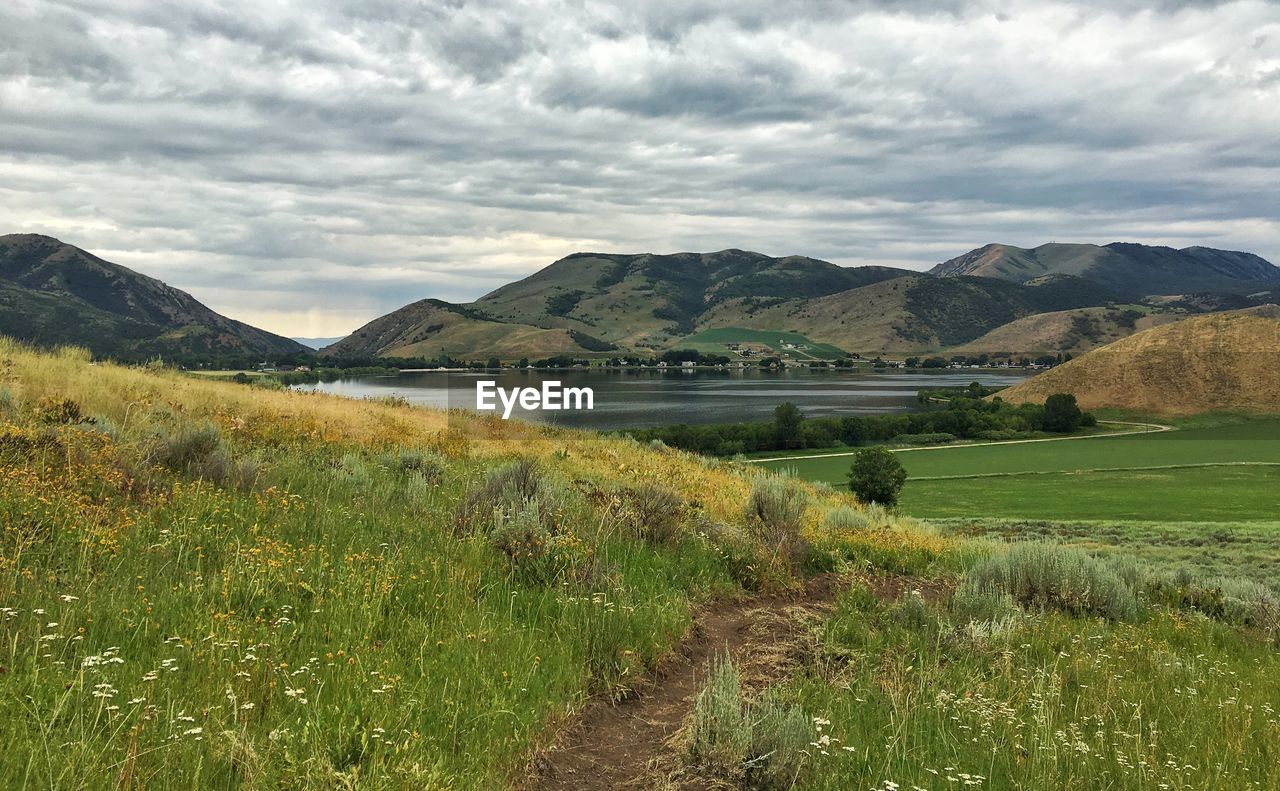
[
  {"x": 58, "y": 411},
  {"x": 655, "y": 512},
  {"x": 931, "y": 438},
  {"x": 1052, "y": 576},
  {"x": 507, "y": 489},
  {"x": 780, "y": 735},
  {"x": 430, "y": 466},
  {"x": 755, "y": 746},
  {"x": 721, "y": 731},
  {"x": 843, "y": 519},
  {"x": 984, "y": 605},
  {"x": 740, "y": 555},
  {"x": 1062, "y": 414},
  {"x": 876, "y": 476},
  {"x": 538, "y": 553},
  {"x": 200, "y": 451},
  {"x": 774, "y": 512}
]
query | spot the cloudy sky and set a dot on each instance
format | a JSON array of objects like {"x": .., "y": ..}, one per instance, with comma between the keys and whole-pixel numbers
[{"x": 306, "y": 165}]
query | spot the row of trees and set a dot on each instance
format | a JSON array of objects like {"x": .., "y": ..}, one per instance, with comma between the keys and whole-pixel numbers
[{"x": 962, "y": 417}]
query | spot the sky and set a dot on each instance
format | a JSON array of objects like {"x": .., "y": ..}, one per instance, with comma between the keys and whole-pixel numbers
[{"x": 308, "y": 165}]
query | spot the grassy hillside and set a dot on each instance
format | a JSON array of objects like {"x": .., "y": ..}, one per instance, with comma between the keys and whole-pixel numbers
[
  {"x": 1216, "y": 361},
  {"x": 53, "y": 293},
  {"x": 1133, "y": 270},
  {"x": 212, "y": 585},
  {"x": 1074, "y": 331},
  {"x": 431, "y": 327},
  {"x": 916, "y": 313}
]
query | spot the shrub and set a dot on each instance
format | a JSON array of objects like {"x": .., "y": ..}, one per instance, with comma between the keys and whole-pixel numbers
[
  {"x": 843, "y": 519},
  {"x": 780, "y": 735},
  {"x": 755, "y": 746},
  {"x": 430, "y": 466},
  {"x": 910, "y": 611},
  {"x": 739, "y": 554},
  {"x": 774, "y": 512},
  {"x": 721, "y": 732},
  {"x": 653, "y": 511},
  {"x": 1061, "y": 413},
  {"x": 537, "y": 553},
  {"x": 930, "y": 438},
  {"x": 507, "y": 489},
  {"x": 1052, "y": 576},
  {"x": 200, "y": 451},
  {"x": 876, "y": 476},
  {"x": 984, "y": 605},
  {"x": 58, "y": 411}
]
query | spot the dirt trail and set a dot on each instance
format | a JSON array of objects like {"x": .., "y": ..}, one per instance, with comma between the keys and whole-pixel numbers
[{"x": 626, "y": 745}]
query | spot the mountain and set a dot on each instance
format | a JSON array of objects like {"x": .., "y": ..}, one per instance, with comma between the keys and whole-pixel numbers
[
  {"x": 599, "y": 302},
  {"x": 1075, "y": 331},
  {"x": 1129, "y": 270},
  {"x": 1203, "y": 363},
  {"x": 55, "y": 293},
  {"x": 596, "y": 303}
]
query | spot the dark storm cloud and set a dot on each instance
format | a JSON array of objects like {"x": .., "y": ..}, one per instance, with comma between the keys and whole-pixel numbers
[{"x": 307, "y": 166}]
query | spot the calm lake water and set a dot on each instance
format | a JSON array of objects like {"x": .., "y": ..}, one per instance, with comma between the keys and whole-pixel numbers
[{"x": 642, "y": 398}]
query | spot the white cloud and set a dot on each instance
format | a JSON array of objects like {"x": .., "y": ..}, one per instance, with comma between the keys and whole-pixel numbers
[{"x": 311, "y": 165}]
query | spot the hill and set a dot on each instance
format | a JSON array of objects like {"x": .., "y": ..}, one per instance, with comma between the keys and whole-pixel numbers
[
  {"x": 1130, "y": 270},
  {"x": 1074, "y": 331},
  {"x": 53, "y": 293},
  {"x": 242, "y": 587},
  {"x": 1203, "y": 363},
  {"x": 912, "y": 313},
  {"x": 592, "y": 303}
]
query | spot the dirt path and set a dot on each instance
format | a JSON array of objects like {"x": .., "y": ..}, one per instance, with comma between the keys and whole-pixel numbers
[
  {"x": 1143, "y": 428},
  {"x": 627, "y": 745}
]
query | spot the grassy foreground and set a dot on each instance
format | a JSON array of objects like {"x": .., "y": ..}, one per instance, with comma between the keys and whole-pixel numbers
[{"x": 211, "y": 585}]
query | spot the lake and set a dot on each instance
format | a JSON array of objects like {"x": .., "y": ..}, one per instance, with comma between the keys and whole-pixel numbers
[{"x": 640, "y": 398}]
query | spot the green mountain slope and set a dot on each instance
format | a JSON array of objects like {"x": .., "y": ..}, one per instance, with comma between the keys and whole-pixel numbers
[
  {"x": 1132, "y": 270},
  {"x": 597, "y": 302},
  {"x": 55, "y": 293}
]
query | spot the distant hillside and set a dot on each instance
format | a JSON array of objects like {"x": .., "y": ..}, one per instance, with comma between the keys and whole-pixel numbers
[
  {"x": 1208, "y": 362},
  {"x": 1074, "y": 331},
  {"x": 595, "y": 303},
  {"x": 1130, "y": 270},
  {"x": 908, "y": 314},
  {"x": 432, "y": 327},
  {"x": 54, "y": 293}
]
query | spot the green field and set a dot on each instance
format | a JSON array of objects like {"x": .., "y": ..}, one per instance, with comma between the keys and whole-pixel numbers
[
  {"x": 1219, "y": 472},
  {"x": 716, "y": 341}
]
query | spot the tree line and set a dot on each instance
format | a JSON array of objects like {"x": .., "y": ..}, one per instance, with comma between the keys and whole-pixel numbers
[{"x": 964, "y": 415}]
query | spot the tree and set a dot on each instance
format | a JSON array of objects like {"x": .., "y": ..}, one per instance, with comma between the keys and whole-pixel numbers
[
  {"x": 876, "y": 476},
  {"x": 786, "y": 425},
  {"x": 1061, "y": 413}
]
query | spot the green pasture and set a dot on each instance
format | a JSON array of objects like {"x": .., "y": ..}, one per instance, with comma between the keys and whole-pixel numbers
[
  {"x": 1223, "y": 472},
  {"x": 716, "y": 341}
]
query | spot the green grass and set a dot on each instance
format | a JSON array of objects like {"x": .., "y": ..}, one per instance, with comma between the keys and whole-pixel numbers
[
  {"x": 1210, "y": 549},
  {"x": 716, "y": 341},
  {"x": 918, "y": 699},
  {"x": 1143, "y": 477}
]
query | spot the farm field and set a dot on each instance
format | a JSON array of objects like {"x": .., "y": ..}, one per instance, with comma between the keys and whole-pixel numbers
[
  {"x": 716, "y": 341},
  {"x": 1220, "y": 472}
]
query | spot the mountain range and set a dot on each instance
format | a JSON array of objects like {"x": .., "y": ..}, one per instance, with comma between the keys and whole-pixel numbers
[
  {"x": 997, "y": 298},
  {"x": 1052, "y": 298},
  {"x": 52, "y": 293}
]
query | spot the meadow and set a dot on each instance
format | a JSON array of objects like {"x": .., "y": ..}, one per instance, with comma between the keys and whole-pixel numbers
[
  {"x": 1205, "y": 470},
  {"x": 206, "y": 584},
  {"x": 716, "y": 340}
]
